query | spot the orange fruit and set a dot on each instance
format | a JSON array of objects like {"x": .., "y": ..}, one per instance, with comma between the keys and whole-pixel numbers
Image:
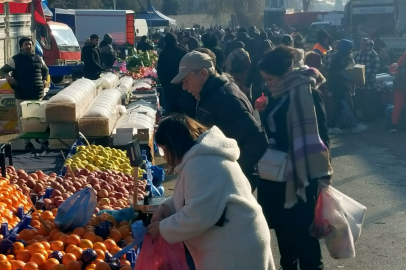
[
  {"x": 99, "y": 239},
  {"x": 100, "y": 254},
  {"x": 46, "y": 245},
  {"x": 15, "y": 264},
  {"x": 49, "y": 252},
  {"x": 26, "y": 235},
  {"x": 73, "y": 240},
  {"x": 38, "y": 258},
  {"x": 123, "y": 223},
  {"x": 85, "y": 244},
  {"x": 79, "y": 231},
  {"x": 125, "y": 232},
  {"x": 31, "y": 266},
  {"x": 89, "y": 236},
  {"x": 35, "y": 222},
  {"x": 44, "y": 231},
  {"x": 43, "y": 252},
  {"x": 115, "y": 235},
  {"x": 101, "y": 246},
  {"x": 5, "y": 265},
  {"x": 18, "y": 246},
  {"x": 23, "y": 255},
  {"x": 3, "y": 257},
  {"x": 50, "y": 263},
  {"x": 47, "y": 214},
  {"x": 67, "y": 258},
  {"x": 102, "y": 266},
  {"x": 57, "y": 246},
  {"x": 53, "y": 232},
  {"x": 10, "y": 257},
  {"x": 69, "y": 248},
  {"x": 35, "y": 248},
  {"x": 114, "y": 250},
  {"x": 59, "y": 267},
  {"x": 73, "y": 265},
  {"x": 97, "y": 261},
  {"x": 64, "y": 239},
  {"x": 110, "y": 244},
  {"x": 77, "y": 252},
  {"x": 39, "y": 237},
  {"x": 57, "y": 235},
  {"x": 32, "y": 241},
  {"x": 90, "y": 267},
  {"x": 124, "y": 262}
]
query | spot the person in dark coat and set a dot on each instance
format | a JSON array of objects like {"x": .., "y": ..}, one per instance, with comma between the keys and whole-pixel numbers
[
  {"x": 191, "y": 42},
  {"x": 91, "y": 58},
  {"x": 291, "y": 116},
  {"x": 174, "y": 99},
  {"x": 210, "y": 42},
  {"x": 107, "y": 51},
  {"x": 28, "y": 79},
  {"x": 223, "y": 104},
  {"x": 144, "y": 45}
]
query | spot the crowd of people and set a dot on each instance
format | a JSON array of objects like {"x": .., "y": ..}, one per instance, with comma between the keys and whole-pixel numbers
[{"x": 210, "y": 94}]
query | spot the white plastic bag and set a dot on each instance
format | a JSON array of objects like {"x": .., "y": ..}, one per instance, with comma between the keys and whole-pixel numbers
[{"x": 338, "y": 219}]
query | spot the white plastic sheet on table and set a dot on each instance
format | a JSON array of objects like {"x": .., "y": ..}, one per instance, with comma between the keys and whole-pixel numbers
[
  {"x": 102, "y": 115},
  {"x": 126, "y": 84},
  {"x": 133, "y": 119},
  {"x": 384, "y": 77},
  {"x": 108, "y": 80},
  {"x": 142, "y": 85},
  {"x": 70, "y": 103}
]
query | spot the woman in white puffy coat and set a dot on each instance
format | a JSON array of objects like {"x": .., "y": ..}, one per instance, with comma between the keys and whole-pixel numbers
[{"x": 212, "y": 209}]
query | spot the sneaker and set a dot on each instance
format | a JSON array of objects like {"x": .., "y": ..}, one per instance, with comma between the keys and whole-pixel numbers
[
  {"x": 335, "y": 131},
  {"x": 359, "y": 128},
  {"x": 29, "y": 146},
  {"x": 393, "y": 129}
]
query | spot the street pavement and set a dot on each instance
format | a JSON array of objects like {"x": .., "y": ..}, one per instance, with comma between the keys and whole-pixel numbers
[{"x": 370, "y": 167}]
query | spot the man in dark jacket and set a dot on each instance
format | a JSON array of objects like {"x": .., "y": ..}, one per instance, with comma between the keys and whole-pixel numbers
[
  {"x": 108, "y": 54},
  {"x": 29, "y": 76},
  {"x": 91, "y": 57},
  {"x": 144, "y": 45},
  {"x": 223, "y": 104},
  {"x": 174, "y": 98},
  {"x": 191, "y": 42}
]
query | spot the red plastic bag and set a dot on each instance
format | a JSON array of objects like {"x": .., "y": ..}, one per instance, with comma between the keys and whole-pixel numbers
[
  {"x": 260, "y": 103},
  {"x": 161, "y": 255}
]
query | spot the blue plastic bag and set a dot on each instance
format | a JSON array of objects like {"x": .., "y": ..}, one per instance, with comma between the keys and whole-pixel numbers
[
  {"x": 139, "y": 232},
  {"x": 77, "y": 210},
  {"x": 158, "y": 175},
  {"x": 120, "y": 215}
]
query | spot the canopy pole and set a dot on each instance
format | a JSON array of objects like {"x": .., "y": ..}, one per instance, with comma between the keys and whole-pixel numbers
[
  {"x": 33, "y": 25},
  {"x": 7, "y": 42}
]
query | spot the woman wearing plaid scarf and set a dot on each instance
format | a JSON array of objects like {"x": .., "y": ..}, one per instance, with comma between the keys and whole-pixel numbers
[
  {"x": 295, "y": 121},
  {"x": 365, "y": 95}
]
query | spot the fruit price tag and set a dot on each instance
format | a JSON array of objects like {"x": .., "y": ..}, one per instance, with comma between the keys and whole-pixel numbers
[{"x": 134, "y": 153}]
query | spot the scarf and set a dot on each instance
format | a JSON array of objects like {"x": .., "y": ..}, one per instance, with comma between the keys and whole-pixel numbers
[{"x": 308, "y": 157}]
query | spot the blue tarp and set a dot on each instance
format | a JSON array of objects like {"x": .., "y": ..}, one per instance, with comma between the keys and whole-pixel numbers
[{"x": 155, "y": 18}]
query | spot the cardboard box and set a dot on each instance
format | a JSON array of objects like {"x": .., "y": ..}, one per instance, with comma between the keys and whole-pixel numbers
[
  {"x": 10, "y": 127},
  {"x": 8, "y": 114},
  {"x": 357, "y": 73},
  {"x": 124, "y": 136},
  {"x": 143, "y": 136}
]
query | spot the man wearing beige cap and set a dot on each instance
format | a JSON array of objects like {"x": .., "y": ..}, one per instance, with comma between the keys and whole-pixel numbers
[{"x": 221, "y": 103}]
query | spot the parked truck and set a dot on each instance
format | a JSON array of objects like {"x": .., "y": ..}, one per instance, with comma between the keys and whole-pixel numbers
[{"x": 366, "y": 18}]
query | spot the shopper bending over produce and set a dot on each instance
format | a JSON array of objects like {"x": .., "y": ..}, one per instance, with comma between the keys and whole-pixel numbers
[{"x": 212, "y": 209}]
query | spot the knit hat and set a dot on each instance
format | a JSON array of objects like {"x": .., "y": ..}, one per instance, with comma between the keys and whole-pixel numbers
[
  {"x": 345, "y": 46},
  {"x": 24, "y": 39}
]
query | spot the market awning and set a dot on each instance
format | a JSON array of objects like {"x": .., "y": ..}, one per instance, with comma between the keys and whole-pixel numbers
[
  {"x": 22, "y": 6},
  {"x": 155, "y": 18}
]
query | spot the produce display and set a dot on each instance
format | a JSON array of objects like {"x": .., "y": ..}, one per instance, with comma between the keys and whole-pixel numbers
[
  {"x": 101, "y": 116},
  {"x": 83, "y": 248},
  {"x": 70, "y": 104}
]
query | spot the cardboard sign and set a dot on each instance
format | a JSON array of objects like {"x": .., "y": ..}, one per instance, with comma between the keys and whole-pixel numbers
[{"x": 134, "y": 153}]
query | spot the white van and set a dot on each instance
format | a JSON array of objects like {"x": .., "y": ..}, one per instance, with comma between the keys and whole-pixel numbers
[{"x": 141, "y": 29}]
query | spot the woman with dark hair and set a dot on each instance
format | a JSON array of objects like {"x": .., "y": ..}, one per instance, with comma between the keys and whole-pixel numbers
[
  {"x": 210, "y": 42},
  {"x": 254, "y": 78},
  {"x": 212, "y": 209},
  {"x": 238, "y": 64},
  {"x": 295, "y": 121}
]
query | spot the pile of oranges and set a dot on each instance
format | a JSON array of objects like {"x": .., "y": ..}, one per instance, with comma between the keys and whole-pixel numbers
[
  {"x": 42, "y": 241},
  {"x": 10, "y": 200}
]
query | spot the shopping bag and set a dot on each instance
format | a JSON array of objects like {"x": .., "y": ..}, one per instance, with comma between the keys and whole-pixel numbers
[
  {"x": 331, "y": 224},
  {"x": 160, "y": 255},
  {"x": 260, "y": 103},
  {"x": 353, "y": 211},
  {"x": 77, "y": 210}
]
